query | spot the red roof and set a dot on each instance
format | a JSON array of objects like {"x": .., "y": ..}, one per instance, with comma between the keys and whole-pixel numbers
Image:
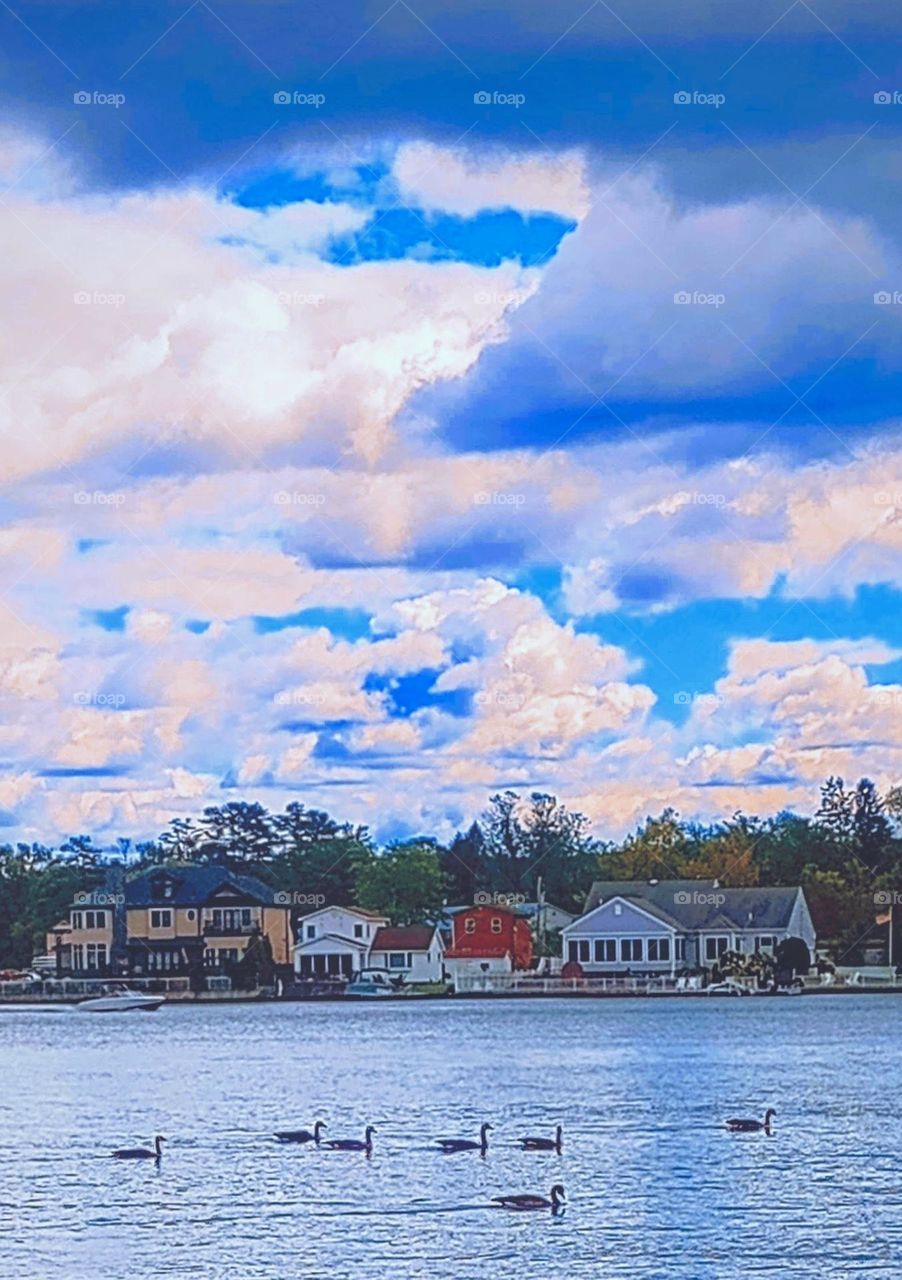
[{"x": 415, "y": 937}]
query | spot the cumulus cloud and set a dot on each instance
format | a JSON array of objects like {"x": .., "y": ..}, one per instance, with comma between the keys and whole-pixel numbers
[
  {"x": 462, "y": 182},
  {"x": 187, "y": 318}
]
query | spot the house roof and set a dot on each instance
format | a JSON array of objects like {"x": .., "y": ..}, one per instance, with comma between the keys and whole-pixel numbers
[
  {"x": 701, "y": 904},
  {"x": 194, "y": 885},
  {"x": 354, "y": 911},
  {"x": 417, "y": 937},
  {"x": 334, "y": 939}
]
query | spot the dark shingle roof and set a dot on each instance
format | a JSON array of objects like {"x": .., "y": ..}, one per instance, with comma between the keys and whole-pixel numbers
[
  {"x": 698, "y": 904},
  {"x": 415, "y": 937},
  {"x": 192, "y": 885}
]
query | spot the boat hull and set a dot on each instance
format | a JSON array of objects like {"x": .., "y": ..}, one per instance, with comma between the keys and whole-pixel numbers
[{"x": 121, "y": 1004}]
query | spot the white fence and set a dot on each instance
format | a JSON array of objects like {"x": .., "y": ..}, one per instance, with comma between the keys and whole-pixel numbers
[{"x": 529, "y": 984}]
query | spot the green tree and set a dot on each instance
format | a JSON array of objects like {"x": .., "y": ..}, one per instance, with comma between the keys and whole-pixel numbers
[
  {"x": 464, "y": 866},
  {"x": 526, "y": 839},
  {"x": 403, "y": 883}
]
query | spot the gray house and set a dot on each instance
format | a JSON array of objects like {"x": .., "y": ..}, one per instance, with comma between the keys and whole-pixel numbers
[{"x": 661, "y": 926}]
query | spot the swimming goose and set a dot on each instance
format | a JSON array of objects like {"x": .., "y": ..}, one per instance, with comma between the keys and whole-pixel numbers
[
  {"x": 533, "y": 1202},
  {"x": 302, "y": 1135},
  {"x": 544, "y": 1144},
  {"x": 450, "y": 1145},
  {"x": 354, "y": 1144},
  {"x": 752, "y": 1126},
  {"x": 141, "y": 1153}
]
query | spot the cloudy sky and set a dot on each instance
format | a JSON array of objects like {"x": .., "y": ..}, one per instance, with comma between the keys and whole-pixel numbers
[{"x": 403, "y": 401}]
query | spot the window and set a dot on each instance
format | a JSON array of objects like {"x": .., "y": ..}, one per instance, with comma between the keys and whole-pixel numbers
[
  {"x": 78, "y": 920},
  {"x": 95, "y": 955},
  {"x": 605, "y": 950},
  {"x": 398, "y": 960},
  {"x": 91, "y": 920},
  {"x": 358, "y": 930},
  {"x": 78, "y": 956},
  {"x": 766, "y": 943},
  {"x": 191, "y": 913},
  {"x": 681, "y": 948},
  {"x": 231, "y": 918},
  {"x": 630, "y": 948},
  {"x": 659, "y": 949},
  {"x": 496, "y": 924},
  {"x": 715, "y": 947},
  {"x": 161, "y": 919},
  {"x": 618, "y": 908},
  {"x": 469, "y": 925},
  {"x": 311, "y": 931}
]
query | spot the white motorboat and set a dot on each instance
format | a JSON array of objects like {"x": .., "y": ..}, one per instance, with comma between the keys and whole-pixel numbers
[
  {"x": 118, "y": 998},
  {"x": 369, "y": 983}
]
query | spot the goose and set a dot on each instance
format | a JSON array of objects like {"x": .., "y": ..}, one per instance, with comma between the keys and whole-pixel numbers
[
  {"x": 354, "y": 1144},
  {"x": 544, "y": 1144},
  {"x": 301, "y": 1135},
  {"x": 450, "y": 1145},
  {"x": 141, "y": 1153},
  {"x": 752, "y": 1126},
  {"x": 555, "y": 1203}
]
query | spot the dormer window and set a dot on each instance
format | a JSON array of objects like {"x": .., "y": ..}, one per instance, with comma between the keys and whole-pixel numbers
[
  {"x": 469, "y": 925},
  {"x": 161, "y": 887}
]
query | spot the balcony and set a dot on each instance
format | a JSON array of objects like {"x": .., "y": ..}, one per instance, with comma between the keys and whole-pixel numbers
[{"x": 211, "y": 930}]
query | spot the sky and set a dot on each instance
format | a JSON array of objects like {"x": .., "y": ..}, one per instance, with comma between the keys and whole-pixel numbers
[{"x": 402, "y": 402}]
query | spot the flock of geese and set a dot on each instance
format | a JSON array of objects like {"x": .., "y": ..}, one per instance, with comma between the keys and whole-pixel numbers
[{"x": 448, "y": 1146}]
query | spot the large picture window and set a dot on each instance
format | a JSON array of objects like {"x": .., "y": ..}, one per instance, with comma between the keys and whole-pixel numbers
[
  {"x": 630, "y": 949},
  {"x": 659, "y": 949},
  {"x": 715, "y": 947}
]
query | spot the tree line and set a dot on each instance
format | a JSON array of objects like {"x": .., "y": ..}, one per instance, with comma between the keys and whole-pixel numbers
[{"x": 847, "y": 856}]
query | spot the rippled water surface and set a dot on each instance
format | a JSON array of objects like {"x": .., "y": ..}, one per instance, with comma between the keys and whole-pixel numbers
[{"x": 656, "y": 1187}]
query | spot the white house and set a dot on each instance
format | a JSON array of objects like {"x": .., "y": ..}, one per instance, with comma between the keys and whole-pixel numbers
[
  {"x": 335, "y": 941},
  {"x": 661, "y": 926},
  {"x": 415, "y": 951}
]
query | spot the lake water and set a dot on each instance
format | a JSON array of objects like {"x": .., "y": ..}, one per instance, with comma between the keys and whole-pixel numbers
[{"x": 656, "y": 1187}]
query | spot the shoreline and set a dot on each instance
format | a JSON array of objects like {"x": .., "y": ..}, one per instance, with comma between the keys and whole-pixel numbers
[{"x": 194, "y": 1001}]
